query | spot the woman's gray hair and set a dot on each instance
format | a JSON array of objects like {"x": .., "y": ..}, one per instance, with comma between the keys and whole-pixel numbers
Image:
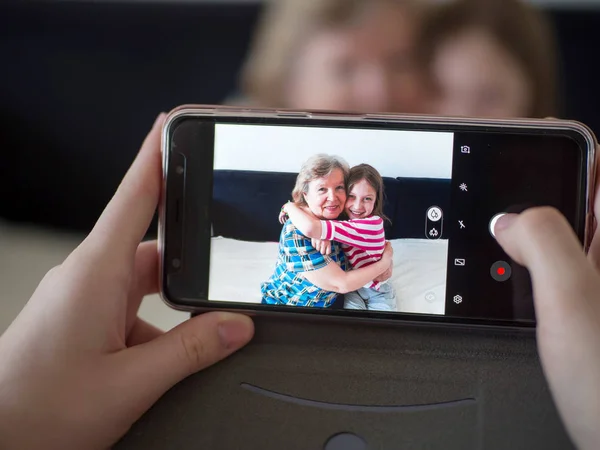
[{"x": 317, "y": 166}]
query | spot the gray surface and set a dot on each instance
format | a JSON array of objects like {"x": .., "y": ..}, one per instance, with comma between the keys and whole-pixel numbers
[{"x": 300, "y": 383}]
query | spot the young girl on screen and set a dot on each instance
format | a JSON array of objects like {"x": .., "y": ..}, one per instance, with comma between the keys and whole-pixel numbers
[{"x": 362, "y": 237}]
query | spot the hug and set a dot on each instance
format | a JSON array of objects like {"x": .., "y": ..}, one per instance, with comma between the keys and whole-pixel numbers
[{"x": 333, "y": 240}]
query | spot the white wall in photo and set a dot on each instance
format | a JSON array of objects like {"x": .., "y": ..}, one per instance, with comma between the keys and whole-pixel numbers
[{"x": 394, "y": 153}]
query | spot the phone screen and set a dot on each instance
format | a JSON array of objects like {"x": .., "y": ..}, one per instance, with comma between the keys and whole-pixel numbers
[{"x": 432, "y": 194}]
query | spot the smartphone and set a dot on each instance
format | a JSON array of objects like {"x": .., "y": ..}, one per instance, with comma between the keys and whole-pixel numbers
[{"x": 436, "y": 187}]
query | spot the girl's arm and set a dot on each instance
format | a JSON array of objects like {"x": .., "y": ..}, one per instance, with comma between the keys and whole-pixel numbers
[
  {"x": 308, "y": 224},
  {"x": 367, "y": 234},
  {"x": 333, "y": 278}
]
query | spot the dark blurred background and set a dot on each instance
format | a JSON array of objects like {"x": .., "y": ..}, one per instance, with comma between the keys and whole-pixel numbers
[{"x": 81, "y": 83}]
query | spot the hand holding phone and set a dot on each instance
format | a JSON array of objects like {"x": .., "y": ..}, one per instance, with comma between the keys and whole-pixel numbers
[
  {"x": 566, "y": 289},
  {"x": 77, "y": 366}
]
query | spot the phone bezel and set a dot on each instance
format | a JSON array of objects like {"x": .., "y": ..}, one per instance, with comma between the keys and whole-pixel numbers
[{"x": 294, "y": 116}]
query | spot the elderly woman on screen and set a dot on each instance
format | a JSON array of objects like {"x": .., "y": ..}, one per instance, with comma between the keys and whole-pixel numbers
[{"x": 303, "y": 276}]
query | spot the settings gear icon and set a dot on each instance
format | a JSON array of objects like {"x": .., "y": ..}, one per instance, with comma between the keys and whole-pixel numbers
[{"x": 458, "y": 299}]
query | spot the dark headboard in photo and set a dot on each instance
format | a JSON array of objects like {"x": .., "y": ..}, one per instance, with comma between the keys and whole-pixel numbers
[{"x": 246, "y": 204}]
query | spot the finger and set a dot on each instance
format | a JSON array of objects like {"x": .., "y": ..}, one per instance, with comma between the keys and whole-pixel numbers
[
  {"x": 149, "y": 370},
  {"x": 145, "y": 279},
  {"x": 542, "y": 240},
  {"x": 142, "y": 332},
  {"x": 146, "y": 268},
  {"x": 566, "y": 291},
  {"x": 127, "y": 216}
]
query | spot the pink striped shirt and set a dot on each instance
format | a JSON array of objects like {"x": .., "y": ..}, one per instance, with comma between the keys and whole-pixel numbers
[{"x": 363, "y": 240}]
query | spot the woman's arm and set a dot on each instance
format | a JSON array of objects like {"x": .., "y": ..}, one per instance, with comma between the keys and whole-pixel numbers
[
  {"x": 308, "y": 224},
  {"x": 333, "y": 278}
]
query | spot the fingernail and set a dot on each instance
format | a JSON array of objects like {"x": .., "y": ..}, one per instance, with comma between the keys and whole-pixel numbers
[
  {"x": 505, "y": 222},
  {"x": 159, "y": 119},
  {"x": 235, "y": 332}
]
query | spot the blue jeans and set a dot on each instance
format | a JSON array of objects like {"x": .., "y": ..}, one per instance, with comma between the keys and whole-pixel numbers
[{"x": 366, "y": 298}]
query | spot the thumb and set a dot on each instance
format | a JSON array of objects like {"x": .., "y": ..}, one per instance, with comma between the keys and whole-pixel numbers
[{"x": 153, "y": 368}]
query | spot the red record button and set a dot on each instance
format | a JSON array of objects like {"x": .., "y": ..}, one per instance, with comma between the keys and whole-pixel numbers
[{"x": 501, "y": 271}]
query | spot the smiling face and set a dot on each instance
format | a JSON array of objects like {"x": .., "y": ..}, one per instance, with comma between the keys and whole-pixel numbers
[
  {"x": 326, "y": 196},
  {"x": 361, "y": 200}
]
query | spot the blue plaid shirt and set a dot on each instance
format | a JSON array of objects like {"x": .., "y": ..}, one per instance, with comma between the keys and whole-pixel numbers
[{"x": 287, "y": 286}]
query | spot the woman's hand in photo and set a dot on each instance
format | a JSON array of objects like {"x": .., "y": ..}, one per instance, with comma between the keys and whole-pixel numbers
[
  {"x": 323, "y": 246},
  {"x": 388, "y": 254},
  {"x": 283, "y": 217},
  {"x": 386, "y": 275}
]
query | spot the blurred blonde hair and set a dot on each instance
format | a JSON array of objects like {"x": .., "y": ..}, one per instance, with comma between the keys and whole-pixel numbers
[
  {"x": 283, "y": 28},
  {"x": 317, "y": 166}
]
